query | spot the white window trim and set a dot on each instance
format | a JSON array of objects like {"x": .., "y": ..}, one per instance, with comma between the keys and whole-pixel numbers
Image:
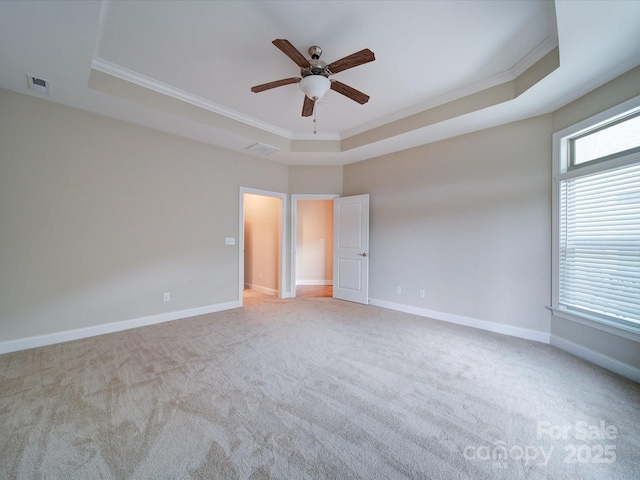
[{"x": 559, "y": 172}]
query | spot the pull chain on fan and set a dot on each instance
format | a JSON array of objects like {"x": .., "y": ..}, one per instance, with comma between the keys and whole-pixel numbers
[{"x": 315, "y": 119}]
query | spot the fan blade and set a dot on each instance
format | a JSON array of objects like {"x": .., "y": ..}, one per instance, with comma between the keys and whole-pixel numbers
[
  {"x": 349, "y": 92},
  {"x": 291, "y": 52},
  {"x": 353, "y": 60},
  {"x": 307, "y": 107},
  {"x": 277, "y": 83}
]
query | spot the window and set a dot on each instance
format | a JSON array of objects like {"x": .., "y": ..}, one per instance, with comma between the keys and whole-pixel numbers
[
  {"x": 621, "y": 136},
  {"x": 596, "y": 251}
]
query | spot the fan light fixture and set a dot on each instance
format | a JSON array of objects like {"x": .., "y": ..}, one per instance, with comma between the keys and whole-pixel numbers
[{"x": 315, "y": 86}]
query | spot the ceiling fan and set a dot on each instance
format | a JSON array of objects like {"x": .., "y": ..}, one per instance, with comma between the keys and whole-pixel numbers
[{"x": 315, "y": 75}]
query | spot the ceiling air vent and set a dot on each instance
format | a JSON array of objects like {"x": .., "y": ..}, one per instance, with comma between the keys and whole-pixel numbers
[
  {"x": 39, "y": 85},
  {"x": 261, "y": 149}
]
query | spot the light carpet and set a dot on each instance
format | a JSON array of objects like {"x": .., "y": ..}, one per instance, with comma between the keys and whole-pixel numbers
[{"x": 313, "y": 388}]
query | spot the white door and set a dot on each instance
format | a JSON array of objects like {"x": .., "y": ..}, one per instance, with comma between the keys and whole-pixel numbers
[{"x": 351, "y": 248}]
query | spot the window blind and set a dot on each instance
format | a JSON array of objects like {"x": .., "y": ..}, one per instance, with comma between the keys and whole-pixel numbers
[{"x": 600, "y": 244}]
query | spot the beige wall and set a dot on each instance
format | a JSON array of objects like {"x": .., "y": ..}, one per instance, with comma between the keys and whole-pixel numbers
[
  {"x": 314, "y": 242},
  {"x": 262, "y": 225},
  {"x": 315, "y": 179},
  {"x": 100, "y": 217},
  {"x": 467, "y": 220},
  {"x": 610, "y": 94}
]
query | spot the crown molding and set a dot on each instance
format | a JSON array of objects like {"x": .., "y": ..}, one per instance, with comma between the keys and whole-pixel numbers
[
  {"x": 529, "y": 60},
  {"x": 534, "y": 56},
  {"x": 432, "y": 103},
  {"x": 513, "y": 73},
  {"x": 136, "y": 78},
  {"x": 316, "y": 136}
]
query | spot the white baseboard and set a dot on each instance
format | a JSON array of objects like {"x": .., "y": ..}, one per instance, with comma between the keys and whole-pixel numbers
[
  {"x": 261, "y": 289},
  {"x": 78, "y": 333},
  {"x": 597, "y": 358},
  {"x": 511, "y": 330},
  {"x": 313, "y": 282}
]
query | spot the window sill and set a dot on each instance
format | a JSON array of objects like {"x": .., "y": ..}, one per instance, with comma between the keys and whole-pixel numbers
[{"x": 626, "y": 331}]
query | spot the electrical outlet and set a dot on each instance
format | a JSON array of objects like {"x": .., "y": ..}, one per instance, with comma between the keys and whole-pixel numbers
[
  {"x": 422, "y": 293},
  {"x": 167, "y": 296},
  {"x": 398, "y": 290}
]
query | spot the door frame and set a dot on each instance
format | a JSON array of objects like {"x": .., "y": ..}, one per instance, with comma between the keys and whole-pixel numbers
[
  {"x": 282, "y": 247},
  {"x": 294, "y": 222}
]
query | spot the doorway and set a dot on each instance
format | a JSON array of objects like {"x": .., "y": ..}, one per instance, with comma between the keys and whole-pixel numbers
[
  {"x": 312, "y": 245},
  {"x": 261, "y": 238}
]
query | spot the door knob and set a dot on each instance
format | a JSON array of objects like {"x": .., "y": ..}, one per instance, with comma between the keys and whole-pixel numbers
[{"x": 362, "y": 254}]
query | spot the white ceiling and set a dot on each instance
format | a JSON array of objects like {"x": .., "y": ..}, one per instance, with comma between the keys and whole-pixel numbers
[{"x": 208, "y": 54}]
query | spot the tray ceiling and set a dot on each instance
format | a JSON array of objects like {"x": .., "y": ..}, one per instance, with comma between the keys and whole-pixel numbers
[{"x": 442, "y": 67}]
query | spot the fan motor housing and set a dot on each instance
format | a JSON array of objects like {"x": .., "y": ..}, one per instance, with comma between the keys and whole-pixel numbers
[
  {"x": 315, "y": 52},
  {"x": 316, "y": 66}
]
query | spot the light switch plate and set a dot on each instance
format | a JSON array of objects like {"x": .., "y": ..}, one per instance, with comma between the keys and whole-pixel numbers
[{"x": 230, "y": 241}]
